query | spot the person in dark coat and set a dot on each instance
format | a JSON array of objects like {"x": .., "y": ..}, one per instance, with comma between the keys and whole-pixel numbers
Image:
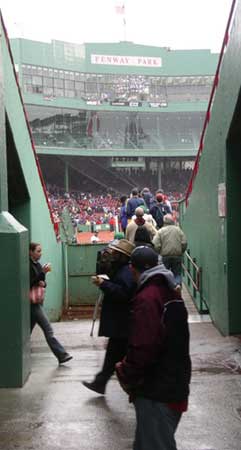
[
  {"x": 114, "y": 320},
  {"x": 123, "y": 213},
  {"x": 133, "y": 202},
  {"x": 157, "y": 368},
  {"x": 147, "y": 196},
  {"x": 37, "y": 313},
  {"x": 159, "y": 210}
]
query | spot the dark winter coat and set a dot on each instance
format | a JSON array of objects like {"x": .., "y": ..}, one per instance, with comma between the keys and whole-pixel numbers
[
  {"x": 148, "y": 199},
  {"x": 36, "y": 273},
  {"x": 115, "y": 311},
  {"x": 132, "y": 204},
  {"x": 123, "y": 217},
  {"x": 157, "y": 365},
  {"x": 158, "y": 211}
]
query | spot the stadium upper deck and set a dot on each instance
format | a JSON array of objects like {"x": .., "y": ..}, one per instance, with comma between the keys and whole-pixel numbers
[{"x": 129, "y": 107}]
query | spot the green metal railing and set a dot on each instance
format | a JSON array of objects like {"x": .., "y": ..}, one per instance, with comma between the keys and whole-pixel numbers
[{"x": 193, "y": 275}]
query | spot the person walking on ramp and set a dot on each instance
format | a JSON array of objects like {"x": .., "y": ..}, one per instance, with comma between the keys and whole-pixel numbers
[
  {"x": 38, "y": 316},
  {"x": 157, "y": 368},
  {"x": 114, "y": 319}
]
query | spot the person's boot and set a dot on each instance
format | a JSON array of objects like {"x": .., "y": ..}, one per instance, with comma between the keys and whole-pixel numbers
[
  {"x": 95, "y": 386},
  {"x": 65, "y": 358}
]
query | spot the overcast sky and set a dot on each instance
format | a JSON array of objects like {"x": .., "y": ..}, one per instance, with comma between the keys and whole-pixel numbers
[{"x": 179, "y": 24}]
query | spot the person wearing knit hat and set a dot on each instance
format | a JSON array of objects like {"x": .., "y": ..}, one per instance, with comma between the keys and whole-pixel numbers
[
  {"x": 144, "y": 258},
  {"x": 117, "y": 291},
  {"x": 159, "y": 197},
  {"x": 165, "y": 199},
  {"x": 156, "y": 370}
]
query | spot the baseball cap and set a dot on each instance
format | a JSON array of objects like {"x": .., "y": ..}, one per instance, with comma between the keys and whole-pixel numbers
[
  {"x": 144, "y": 258},
  {"x": 159, "y": 197}
]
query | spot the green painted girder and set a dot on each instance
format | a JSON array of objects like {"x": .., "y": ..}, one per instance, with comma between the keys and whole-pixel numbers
[
  {"x": 37, "y": 99},
  {"x": 66, "y": 151}
]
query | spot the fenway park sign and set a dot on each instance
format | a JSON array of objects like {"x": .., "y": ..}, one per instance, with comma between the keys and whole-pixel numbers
[{"x": 140, "y": 61}]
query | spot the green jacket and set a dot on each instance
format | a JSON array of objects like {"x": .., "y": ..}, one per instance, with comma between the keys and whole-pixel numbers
[{"x": 170, "y": 241}]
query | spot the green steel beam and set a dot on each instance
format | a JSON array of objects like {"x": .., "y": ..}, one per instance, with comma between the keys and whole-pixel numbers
[
  {"x": 66, "y": 177},
  {"x": 3, "y": 157},
  {"x": 176, "y": 153},
  {"x": 38, "y": 99}
]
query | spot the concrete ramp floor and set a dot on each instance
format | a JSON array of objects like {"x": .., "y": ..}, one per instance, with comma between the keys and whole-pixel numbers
[{"x": 54, "y": 411}]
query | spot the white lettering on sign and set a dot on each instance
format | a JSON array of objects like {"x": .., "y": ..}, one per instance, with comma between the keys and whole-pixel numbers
[{"x": 115, "y": 60}]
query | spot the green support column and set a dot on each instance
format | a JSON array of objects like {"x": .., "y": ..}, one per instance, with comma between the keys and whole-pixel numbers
[
  {"x": 14, "y": 278},
  {"x": 3, "y": 158},
  {"x": 14, "y": 319},
  {"x": 66, "y": 177},
  {"x": 159, "y": 174}
]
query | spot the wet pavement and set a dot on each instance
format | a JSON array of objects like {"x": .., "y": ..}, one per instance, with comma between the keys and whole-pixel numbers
[{"x": 54, "y": 411}]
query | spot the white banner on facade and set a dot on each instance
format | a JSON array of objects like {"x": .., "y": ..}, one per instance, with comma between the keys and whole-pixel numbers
[
  {"x": 117, "y": 60},
  {"x": 222, "y": 200}
]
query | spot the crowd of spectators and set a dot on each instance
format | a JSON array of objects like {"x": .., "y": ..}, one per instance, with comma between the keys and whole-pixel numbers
[
  {"x": 89, "y": 208},
  {"x": 84, "y": 208}
]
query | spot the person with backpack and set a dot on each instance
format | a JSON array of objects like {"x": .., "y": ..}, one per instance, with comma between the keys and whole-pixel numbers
[
  {"x": 159, "y": 210},
  {"x": 147, "y": 196},
  {"x": 136, "y": 222}
]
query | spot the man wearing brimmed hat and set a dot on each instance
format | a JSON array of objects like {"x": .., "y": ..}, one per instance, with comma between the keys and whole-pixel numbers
[
  {"x": 114, "y": 320},
  {"x": 157, "y": 368}
]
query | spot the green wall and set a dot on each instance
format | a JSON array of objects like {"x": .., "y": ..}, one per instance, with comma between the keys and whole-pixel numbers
[
  {"x": 24, "y": 216},
  {"x": 14, "y": 320},
  {"x": 214, "y": 240},
  {"x": 71, "y": 56},
  {"x": 81, "y": 266},
  {"x": 41, "y": 228}
]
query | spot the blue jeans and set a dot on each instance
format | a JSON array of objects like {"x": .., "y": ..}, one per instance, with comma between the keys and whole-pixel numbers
[
  {"x": 38, "y": 316},
  {"x": 174, "y": 263},
  {"x": 156, "y": 425}
]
